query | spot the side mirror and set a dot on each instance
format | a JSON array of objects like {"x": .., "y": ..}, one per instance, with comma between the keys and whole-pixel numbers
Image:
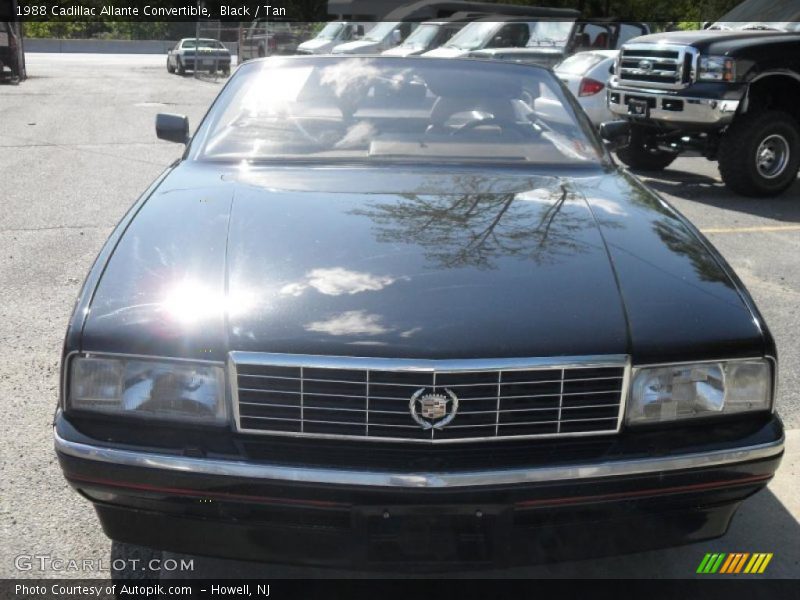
[
  {"x": 397, "y": 37},
  {"x": 360, "y": 31},
  {"x": 615, "y": 133},
  {"x": 173, "y": 128}
]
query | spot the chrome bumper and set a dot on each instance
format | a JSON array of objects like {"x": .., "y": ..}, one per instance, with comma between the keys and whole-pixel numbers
[
  {"x": 679, "y": 109},
  {"x": 443, "y": 480}
]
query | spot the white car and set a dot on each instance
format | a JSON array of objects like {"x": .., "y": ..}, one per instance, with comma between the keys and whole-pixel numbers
[
  {"x": 517, "y": 32},
  {"x": 383, "y": 36},
  {"x": 586, "y": 74},
  {"x": 203, "y": 54},
  {"x": 332, "y": 35},
  {"x": 426, "y": 36}
]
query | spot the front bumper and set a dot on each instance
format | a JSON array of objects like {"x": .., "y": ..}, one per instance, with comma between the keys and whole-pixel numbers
[
  {"x": 672, "y": 109},
  {"x": 415, "y": 521}
]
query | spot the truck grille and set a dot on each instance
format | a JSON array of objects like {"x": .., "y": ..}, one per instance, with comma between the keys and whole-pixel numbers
[
  {"x": 373, "y": 399},
  {"x": 656, "y": 66}
]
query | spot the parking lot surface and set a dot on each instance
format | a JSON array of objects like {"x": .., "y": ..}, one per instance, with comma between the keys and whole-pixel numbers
[{"x": 77, "y": 146}]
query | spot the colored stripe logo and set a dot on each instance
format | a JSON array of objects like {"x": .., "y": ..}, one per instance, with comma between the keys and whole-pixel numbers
[{"x": 734, "y": 563}]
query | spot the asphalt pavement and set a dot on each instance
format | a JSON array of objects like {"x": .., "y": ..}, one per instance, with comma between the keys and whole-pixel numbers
[{"x": 77, "y": 146}]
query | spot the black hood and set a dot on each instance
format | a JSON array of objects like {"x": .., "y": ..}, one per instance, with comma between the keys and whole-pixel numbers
[
  {"x": 423, "y": 263},
  {"x": 716, "y": 41}
]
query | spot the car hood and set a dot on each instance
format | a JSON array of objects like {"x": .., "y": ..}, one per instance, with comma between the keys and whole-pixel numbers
[
  {"x": 445, "y": 52},
  {"x": 356, "y": 47},
  {"x": 720, "y": 40},
  {"x": 428, "y": 264},
  {"x": 315, "y": 44},
  {"x": 403, "y": 51},
  {"x": 532, "y": 51}
]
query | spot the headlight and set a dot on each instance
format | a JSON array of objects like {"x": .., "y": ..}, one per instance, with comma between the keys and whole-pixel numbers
[
  {"x": 671, "y": 393},
  {"x": 171, "y": 390},
  {"x": 716, "y": 68}
]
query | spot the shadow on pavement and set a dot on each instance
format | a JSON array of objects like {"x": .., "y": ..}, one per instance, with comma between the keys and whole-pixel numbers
[
  {"x": 711, "y": 191},
  {"x": 762, "y": 524}
]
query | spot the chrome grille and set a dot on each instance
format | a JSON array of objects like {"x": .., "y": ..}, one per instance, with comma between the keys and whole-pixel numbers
[
  {"x": 369, "y": 398},
  {"x": 656, "y": 65}
]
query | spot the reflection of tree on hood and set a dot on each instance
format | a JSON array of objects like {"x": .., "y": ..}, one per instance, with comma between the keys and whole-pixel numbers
[
  {"x": 682, "y": 241},
  {"x": 673, "y": 233},
  {"x": 476, "y": 228}
]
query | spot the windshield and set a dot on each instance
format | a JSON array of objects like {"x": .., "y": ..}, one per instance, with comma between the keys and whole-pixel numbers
[
  {"x": 202, "y": 44},
  {"x": 782, "y": 15},
  {"x": 473, "y": 36},
  {"x": 380, "y": 31},
  {"x": 550, "y": 33},
  {"x": 382, "y": 109},
  {"x": 330, "y": 31},
  {"x": 758, "y": 25},
  {"x": 421, "y": 36}
]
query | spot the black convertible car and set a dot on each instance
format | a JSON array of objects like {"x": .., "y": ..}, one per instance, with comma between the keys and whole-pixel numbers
[{"x": 407, "y": 313}]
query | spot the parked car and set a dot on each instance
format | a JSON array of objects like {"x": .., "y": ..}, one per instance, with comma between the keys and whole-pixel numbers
[
  {"x": 204, "y": 54},
  {"x": 426, "y": 36},
  {"x": 586, "y": 75},
  {"x": 504, "y": 32},
  {"x": 267, "y": 38},
  {"x": 383, "y": 36},
  {"x": 381, "y": 298},
  {"x": 584, "y": 36},
  {"x": 333, "y": 34},
  {"x": 729, "y": 93}
]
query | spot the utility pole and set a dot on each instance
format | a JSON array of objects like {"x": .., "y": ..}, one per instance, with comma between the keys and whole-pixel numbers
[{"x": 197, "y": 38}]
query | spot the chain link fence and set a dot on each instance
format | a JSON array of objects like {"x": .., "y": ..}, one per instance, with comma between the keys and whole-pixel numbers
[{"x": 244, "y": 42}]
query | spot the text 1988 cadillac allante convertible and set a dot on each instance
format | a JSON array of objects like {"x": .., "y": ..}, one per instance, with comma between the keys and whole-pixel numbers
[{"x": 408, "y": 312}]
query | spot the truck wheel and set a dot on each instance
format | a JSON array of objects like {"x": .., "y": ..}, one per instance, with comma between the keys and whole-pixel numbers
[
  {"x": 759, "y": 155},
  {"x": 638, "y": 154}
]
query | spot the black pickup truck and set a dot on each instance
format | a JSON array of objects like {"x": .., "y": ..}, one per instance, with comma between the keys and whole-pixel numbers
[{"x": 730, "y": 92}]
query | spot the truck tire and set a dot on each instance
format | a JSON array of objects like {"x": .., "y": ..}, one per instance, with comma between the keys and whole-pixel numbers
[
  {"x": 642, "y": 157},
  {"x": 759, "y": 155}
]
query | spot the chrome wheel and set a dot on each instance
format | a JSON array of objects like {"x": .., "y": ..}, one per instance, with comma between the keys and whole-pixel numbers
[{"x": 772, "y": 156}]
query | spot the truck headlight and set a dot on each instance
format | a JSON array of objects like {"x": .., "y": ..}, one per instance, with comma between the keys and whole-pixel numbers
[
  {"x": 671, "y": 393},
  {"x": 716, "y": 68},
  {"x": 171, "y": 390}
]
